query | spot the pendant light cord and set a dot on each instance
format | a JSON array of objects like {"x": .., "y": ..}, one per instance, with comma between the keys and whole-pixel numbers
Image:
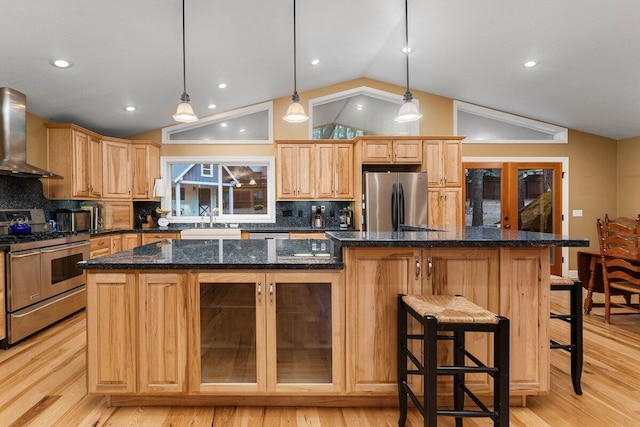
[
  {"x": 295, "y": 96},
  {"x": 407, "y": 96},
  {"x": 184, "y": 61}
]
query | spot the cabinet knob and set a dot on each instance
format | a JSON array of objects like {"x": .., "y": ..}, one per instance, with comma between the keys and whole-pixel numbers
[{"x": 418, "y": 268}]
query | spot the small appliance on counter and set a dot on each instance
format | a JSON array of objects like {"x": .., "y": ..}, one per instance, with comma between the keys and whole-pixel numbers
[
  {"x": 318, "y": 216},
  {"x": 346, "y": 218},
  {"x": 69, "y": 220}
]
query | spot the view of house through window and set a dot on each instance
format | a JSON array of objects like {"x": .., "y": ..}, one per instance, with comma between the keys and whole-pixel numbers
[{"x": 230, "y": 189}]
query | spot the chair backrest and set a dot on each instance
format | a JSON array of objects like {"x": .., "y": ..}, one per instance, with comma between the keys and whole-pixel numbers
[{"x": 620, "y": 248}]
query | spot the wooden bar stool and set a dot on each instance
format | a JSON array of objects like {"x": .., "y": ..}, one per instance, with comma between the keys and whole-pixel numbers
[
  {"x": 574, "y": 318},
  {"x": 439, "y": 313}
]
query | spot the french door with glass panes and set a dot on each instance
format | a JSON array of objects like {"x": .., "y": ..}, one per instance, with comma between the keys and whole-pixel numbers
[{"x": 519, "y": 196}]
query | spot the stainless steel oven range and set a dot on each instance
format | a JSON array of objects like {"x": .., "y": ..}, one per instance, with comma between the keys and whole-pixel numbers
[{"x": 43, "y": 282}]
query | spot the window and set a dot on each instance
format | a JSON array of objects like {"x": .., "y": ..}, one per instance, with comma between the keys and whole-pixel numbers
[
  {"x": 234, "y": 189},
  {"x": 249, "y": 125},
  {"x": 359, "y": 111},
  {"x": 480, "y": 124}
]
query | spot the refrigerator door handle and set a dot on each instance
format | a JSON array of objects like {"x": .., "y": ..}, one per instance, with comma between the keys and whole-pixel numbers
[
  {"x": 394, "y": 208},
  {"x": 401, "y": 203}
]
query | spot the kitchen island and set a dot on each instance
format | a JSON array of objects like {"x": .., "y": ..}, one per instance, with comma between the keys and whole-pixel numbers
[{"x": 307, "y": 322}]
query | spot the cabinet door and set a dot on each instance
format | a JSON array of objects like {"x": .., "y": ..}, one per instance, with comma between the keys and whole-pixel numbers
[
  {"x": 473, "y": 273},
  {"x": 118, "y": 215},
  {"x": 116, "y": 183},
  {"x": 452, "y": 164},
  {"x": 228, "y": 347},
  {"x": 95, "y": 167},
  {"x": 445, "y": 207},
  {"x": 433, "y": 162},
  {"x": 3, "y": 331},
  {"x": 146, "y": 168},
  {"x": 162, "y": 342},
  {"x": 407, "y": 151},
  {"x": 156, "y": 237},
  {"x": 325, "y": 167},
  {"x": 100, "y": 246},
  {"x": 343, "y": 171},
  {"x": 81, "y": 165},
  {"x": 304, "y": 332},
  {"x": 375, "y": 277},
  {"x": 376, "y": 151},
  {"x": 286, "y": 171},
  {"x": 130, "y": 240},
  {"x": 111, "y": 328},
  {"x": 306, "y": 181},
  {"x": 116, "y": 243}
]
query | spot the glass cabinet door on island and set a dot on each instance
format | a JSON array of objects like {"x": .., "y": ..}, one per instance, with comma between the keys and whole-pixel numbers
[{"x": 269, "y": 332}]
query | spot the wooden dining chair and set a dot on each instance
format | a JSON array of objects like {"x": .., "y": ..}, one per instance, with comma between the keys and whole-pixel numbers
[{"x": 620, "y": 254}]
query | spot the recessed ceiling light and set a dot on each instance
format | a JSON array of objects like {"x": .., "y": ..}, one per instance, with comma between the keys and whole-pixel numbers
[
  {"x": 222, "y": 85},
  {"x": 530, "y": 64},
  {"x": 130, "y": 108},
  {"x": 359, "y": 107},
  {"x": 315, "y": 62},
  {"x": 223, "y": 124},
  {"x": 406, "y": 49},
  {"x": 211, "y": 106},
  {"x": 60, "y": 63},
  {"x": 241, "y": 130}
]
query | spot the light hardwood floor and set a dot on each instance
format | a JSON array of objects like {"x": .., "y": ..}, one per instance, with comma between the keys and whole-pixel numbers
[{"x": 42, "y": 383}]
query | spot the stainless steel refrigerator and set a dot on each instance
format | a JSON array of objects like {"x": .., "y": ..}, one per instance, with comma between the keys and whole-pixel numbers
[{"x": 392, "y": 199}]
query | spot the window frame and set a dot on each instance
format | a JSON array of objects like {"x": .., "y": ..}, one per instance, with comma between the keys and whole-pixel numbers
[
  {"x": 227, "y": 115},
  {"x": 560, "y": 134},
  {"x": 269, "y": 161}
]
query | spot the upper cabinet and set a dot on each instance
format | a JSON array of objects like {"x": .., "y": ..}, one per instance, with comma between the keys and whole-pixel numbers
[
  {"x": 315, "y": 170},
  {"x": 145, "y": 159},
  {"x": 443, "y": 163},
  {"x": 401, "y": 151},
  {"x": 116, "y": 168},
  {"x": 75, "y": 154}
]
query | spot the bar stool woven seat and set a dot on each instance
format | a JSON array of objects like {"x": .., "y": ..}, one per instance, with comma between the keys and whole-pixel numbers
[
  {"x": 574, "y": 318},
  {"x": 456, "y": 314}
]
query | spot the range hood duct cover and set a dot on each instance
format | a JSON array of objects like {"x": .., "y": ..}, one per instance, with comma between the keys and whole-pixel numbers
[{"x": 13, "y": 137}]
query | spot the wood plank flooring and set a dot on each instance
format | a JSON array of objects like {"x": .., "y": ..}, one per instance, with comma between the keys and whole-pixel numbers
[{"x": 42, "y": 383}]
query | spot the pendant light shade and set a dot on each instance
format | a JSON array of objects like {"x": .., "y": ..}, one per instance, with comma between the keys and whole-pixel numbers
[
  {"x": 184, "y": 113},
  {"x": 409, "y": 110},
  {"x": 295, "y": 112}
]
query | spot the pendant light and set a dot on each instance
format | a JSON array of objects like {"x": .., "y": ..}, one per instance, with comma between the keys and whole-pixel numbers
[
  {"x": 184, "y": 113},
  {"x": 295, "y": 112},
  {"x": 409, "y": 110}
]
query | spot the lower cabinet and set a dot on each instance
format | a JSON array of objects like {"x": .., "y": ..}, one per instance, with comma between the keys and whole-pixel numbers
[
  {"x": 267, "y": 333},
  {"x": 156, "y": 237},
  {"x": 137, "y": 333},
  {"x": 375, "y": 277},
  {"x": 445, "y": 207}
]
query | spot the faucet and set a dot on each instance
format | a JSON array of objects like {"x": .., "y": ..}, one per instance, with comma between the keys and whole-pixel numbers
[{"x": 211, "y": 220}]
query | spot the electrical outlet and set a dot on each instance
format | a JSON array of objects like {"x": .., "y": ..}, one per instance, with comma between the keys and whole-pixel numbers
[
  {"x": 287, "y": 212},
  {"x": 332, "y": 213},
  {"x": 299, "y": 213}
]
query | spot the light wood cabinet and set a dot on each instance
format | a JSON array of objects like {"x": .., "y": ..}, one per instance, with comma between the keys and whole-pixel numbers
[
  {"x": 443, "y": 163},
  {"x": 473, "y": 273},
  {"x": 75, "y": 154},
  {"x": 130, "y": 240},
  {"x": 137, "y": 333},
  {"x": 402, "y": 151},
  {"x": 118, "y": 215},
  {"x": 100, "y": 245},
  {"x": 295, "y": 171},
  {"x": 334, "y": 177},
  {"x": 162, "y": 329},
  {"x": 375, "y": 277},
  {"x": 145, "y": 158},
  {"x": 285, "y": 330},
  {"x": 116, "y": 168},
  {"x": 445, "y": 207},
  {"x": 116, "y": 243},
  {"x": 3, "y": 302},
  {"x": 156, "y": 237},
  {"x": 111, "y": 332},
  {"x": 315, "y": 171}
]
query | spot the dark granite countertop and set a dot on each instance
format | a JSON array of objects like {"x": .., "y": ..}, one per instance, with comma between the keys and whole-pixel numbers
[
  {"x": 255, "y": 228},
  {"x": 217, "y": 254},
  {"x": 467, "y": 237}
]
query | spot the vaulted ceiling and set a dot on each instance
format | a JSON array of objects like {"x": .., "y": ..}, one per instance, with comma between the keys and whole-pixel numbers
[{"x": 127, "y": 52}]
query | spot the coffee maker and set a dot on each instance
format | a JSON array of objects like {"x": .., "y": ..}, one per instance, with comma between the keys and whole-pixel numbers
[{"x": 318, "y": 216}]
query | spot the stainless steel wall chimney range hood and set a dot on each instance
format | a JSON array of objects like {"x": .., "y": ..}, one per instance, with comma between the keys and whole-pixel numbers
[{"x": 13, "y": 137}]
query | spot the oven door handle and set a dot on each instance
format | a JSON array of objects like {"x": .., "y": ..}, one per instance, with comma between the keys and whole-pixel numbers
[
  {"x": 67, "y": 246},
  {"x": 24, "y": 254}
]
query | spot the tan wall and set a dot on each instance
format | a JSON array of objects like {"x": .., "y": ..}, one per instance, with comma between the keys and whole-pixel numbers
[{"x": 628, "y": 199}]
